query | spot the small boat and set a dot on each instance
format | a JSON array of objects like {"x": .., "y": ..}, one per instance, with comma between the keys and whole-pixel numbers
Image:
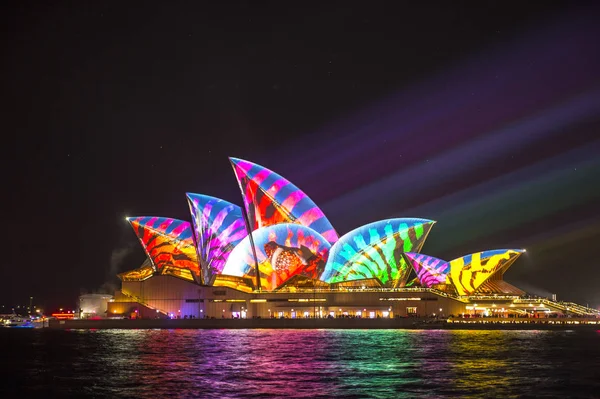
[{"x": 16, "y": 321}]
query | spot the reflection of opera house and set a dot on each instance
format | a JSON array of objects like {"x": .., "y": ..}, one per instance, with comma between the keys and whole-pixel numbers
[{"x": 294, "y": 264}]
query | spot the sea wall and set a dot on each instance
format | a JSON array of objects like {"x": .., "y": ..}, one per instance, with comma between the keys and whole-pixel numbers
[{"x": 337, "y": 323}]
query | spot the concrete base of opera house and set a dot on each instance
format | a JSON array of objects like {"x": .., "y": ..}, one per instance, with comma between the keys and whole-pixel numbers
[
  {"x": 340, "y": 323},
  {"x": 169, "y": 302},
  {"x": 170, "y": 297}
]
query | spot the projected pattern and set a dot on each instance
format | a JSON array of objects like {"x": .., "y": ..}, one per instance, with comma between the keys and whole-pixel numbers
[
  {"x": 283, "y": 251},
  {"x": 375, "y": 251},
  {"x": 430, "y": 271},
  {"x": 169, "y": 245},
  {"x": 469, "y": 272},
  {"x": 271, "y": 199},
  {"x": 140, "y": 274},
  {"x": 218, "y": 227}
]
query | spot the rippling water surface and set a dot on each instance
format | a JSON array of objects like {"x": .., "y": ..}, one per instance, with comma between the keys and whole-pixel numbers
[{"x": 300, "y": 363}]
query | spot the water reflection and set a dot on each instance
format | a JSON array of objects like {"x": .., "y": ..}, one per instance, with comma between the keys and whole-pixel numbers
[{"x": 304, "y": 363}]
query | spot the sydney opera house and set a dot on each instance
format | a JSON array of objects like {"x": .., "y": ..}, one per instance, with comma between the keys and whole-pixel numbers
[{"x": 279, "y": 256}]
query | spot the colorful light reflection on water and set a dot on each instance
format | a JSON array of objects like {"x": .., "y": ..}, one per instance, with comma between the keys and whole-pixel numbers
[{"x": 301, "y": 363}]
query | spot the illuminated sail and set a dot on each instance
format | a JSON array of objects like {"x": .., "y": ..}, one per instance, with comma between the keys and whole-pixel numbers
[
  {"x": 430, "y": 271},
  {"x": 283, "y": 251},
  {"x": 271, "y": 199},
  {"x": 169, "y": 245},
  {"x": 218, "y": 228},
  {"x": 469, "y": 272},
  {"x": 375, "y": 251}
]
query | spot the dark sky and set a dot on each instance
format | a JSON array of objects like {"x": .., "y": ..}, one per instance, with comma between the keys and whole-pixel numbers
[{"x": 481, "y": 115}]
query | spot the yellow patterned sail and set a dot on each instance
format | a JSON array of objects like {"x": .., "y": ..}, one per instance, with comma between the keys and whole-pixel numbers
[
  {"x": 140, "y": 274},
  {"x": 469, "y": 272}
]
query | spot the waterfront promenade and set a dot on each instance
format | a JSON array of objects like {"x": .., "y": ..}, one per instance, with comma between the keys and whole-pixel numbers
[{"x": 333, "y": 323}]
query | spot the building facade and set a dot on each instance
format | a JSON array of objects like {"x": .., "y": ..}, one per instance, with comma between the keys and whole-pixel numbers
[{"x": 279, "y": 256}]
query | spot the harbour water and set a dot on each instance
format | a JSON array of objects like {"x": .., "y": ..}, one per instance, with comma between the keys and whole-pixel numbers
[{"x": 299, "y": 363}]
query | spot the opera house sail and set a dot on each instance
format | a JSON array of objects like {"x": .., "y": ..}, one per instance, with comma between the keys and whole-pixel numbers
[
  {"x": 169, "y": 246},
  {"x": 218, "y": 228},
  {"x": 283, "y": 251},
  {"x": 271, "y": 199},
  {"x": 465, "y": 274},
  {"x": 375, "y": 251}
]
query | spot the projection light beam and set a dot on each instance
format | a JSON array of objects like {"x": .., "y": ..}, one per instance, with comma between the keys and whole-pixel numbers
[{"x": 498, "y": 145}]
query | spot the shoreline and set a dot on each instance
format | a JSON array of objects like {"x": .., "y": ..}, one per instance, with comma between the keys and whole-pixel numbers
[{"x": 340, "y": 323}]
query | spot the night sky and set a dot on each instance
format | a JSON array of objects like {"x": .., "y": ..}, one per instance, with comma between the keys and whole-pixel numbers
[{"x": 484, "y": 116}]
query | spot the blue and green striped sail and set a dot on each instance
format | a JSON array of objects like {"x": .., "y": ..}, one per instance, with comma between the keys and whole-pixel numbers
[{"x": 375, "y": 251}]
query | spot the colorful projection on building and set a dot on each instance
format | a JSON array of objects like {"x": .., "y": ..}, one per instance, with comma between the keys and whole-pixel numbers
[
  {"x": 185, "y": 274},
  {"x": 218, "y": 227},
  {"x": 375, "y": 251},
  {"x": 169, "y": 245},
  {"x": 471, "y": 271},
  {"x": 282, "y": 250},
  {"x": 235, "y": 282},
  {"x": 270, "y": 199},
  {"x": 295, "y": 244},
  {"x": 430, "y": 271},
  {"x": 139, "y": 274}
]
